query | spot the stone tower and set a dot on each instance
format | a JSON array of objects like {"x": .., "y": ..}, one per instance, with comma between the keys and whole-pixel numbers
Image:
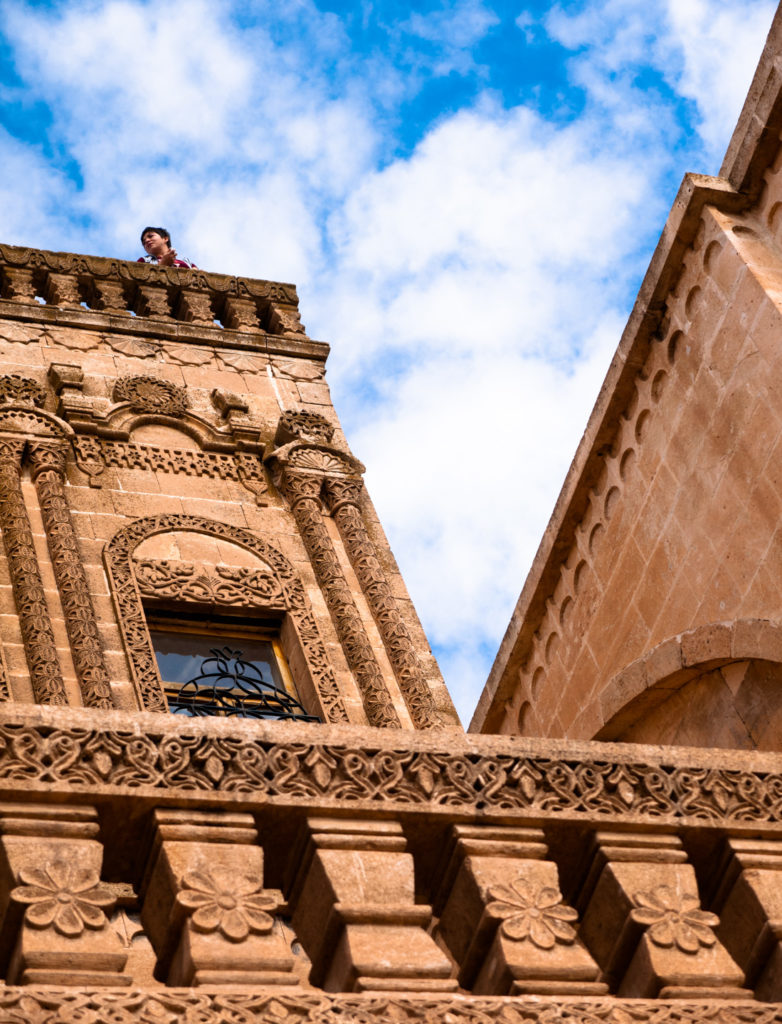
[{"x": 233, "y": 787}]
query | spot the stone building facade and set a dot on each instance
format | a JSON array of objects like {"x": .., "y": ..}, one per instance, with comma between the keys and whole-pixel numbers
[{"x": 233, "y": 788}]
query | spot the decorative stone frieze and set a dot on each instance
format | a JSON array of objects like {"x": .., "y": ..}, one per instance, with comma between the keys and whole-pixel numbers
[
  {"x": 34, "y": 621},
  {"x": 204, "y": 906},
  {"x": 354, "y": 911},
  {"x": 343, "y": 496},
  {"x": 302, "y": 490},
  {"x": 151, "y": 394},
  {"x": 47, "y": 461},
  {"x": 213, "y": 585}
]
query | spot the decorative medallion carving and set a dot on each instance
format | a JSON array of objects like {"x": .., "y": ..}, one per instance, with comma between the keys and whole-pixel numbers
[
  {"x": 48, "y": 471},
  {"x": 302, "y": 491},
  {"x": 64, "y": 897},
  {"x": 672, "y": 919},
  {"x": 532, "y": 913},
  {"x": 120, "y": 565},
  {"x": 218, "y": 584},
  {"x": 234, "y": 909},
  {"x": 150, "y": 394},
  {"x": 308, "y": 426},
  {"x": 343, "y": 495},
  {"x": 24, "y": 390},
  {"x": 34, "y": 622},
  {"x": 318, "y": 461}
]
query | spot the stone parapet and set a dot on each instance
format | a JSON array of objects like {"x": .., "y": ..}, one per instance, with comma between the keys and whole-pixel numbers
[
  {"x": 244, "y": 856},
  {"x": 140, "y": 299}
]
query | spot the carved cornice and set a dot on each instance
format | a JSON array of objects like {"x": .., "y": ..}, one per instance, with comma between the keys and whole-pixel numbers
[
  {"x": 438, "y": 775},
  {"x": 28, "y": 1004}
]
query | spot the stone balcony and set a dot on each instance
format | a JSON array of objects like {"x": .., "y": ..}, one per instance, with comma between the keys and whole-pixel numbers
[
  {"x": 343, "y": 873},
  {"x": 143, "y": 299}
]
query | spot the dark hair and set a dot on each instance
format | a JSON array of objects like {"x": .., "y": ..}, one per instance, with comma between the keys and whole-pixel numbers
[{"x": 161, "y": 231}]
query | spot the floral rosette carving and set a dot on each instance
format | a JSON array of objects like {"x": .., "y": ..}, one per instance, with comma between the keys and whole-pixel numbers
[
  {"x": 15, "y": 388},
  {"x": 533, "y": 913},
  {"x": 233, "y": 910},
  {"x": 64, "y": 897},
  {"x": 149, "y": 394},
  {"x": 674, "y": 920}
]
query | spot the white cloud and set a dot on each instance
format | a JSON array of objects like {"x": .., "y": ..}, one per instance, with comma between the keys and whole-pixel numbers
[{"x": 473, "y": 291}]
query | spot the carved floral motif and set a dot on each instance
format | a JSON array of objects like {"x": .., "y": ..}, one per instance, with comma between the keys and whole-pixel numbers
[
  {"x": 119, "y": 563},
  {"x": 306, "y": 425},
  {"x": 674, "y": 920},
  {"x": 220, "y": 585},
  {"x": 149, "y": 394},
  {"x": 15, "y": 388},
  {"x": 533, "y": 913},
  {"x": 63, "y": 897},
  {"x": 234, "y": 910}
]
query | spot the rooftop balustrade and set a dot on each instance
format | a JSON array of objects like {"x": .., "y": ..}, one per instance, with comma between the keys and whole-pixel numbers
[{"x": 125, "y": 289}]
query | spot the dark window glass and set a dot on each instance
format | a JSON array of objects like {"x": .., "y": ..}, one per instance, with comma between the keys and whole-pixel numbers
[{"x": 221, "y": 674}]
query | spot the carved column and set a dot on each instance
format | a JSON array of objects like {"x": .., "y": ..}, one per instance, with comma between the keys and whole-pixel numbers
[
  {"x": 34, "y": 622},
  {"x": 48, "y": 472},
  {"x": 343, "y": 498},
  {"x": 303, "y": 493}
]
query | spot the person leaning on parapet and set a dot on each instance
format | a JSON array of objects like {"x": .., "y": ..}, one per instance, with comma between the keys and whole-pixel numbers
[{"x": 157, "y": 245}]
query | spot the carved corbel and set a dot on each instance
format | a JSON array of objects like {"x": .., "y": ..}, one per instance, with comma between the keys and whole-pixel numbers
[
  {"x": 504, "y": 920},
  {"x": 204, "y": 906},
  {"x": 286, "y": 319},
  {"x": 354, "y": 911},
  {"x": 749, "y": 901},
  {"x": 643, "y": 922},
  {"x": 54, "y": 906}
]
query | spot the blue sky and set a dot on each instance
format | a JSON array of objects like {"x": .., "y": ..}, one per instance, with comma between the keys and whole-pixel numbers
[{"x": 466, "y": 193}]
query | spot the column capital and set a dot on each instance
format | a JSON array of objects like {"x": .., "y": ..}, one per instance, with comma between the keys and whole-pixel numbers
[
  {"x": 342, "y": 490},
  {"x": 45, "y": 455}
]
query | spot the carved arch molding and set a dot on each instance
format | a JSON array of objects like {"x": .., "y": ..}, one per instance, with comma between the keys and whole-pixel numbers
[{"x": 118, "y": 556}]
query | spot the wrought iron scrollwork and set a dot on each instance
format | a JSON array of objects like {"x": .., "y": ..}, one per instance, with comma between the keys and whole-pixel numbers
[{"x": 228, "y": 686}]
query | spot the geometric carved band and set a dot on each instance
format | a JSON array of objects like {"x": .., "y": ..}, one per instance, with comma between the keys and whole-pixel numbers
[
  {"x": 48, "y": 472},
  {"x": 34, "y": 622},
  {"x": 343, "y": 499},
  {"x": 180, "y": 1006},
  {"x": 303, "y": 493}
]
